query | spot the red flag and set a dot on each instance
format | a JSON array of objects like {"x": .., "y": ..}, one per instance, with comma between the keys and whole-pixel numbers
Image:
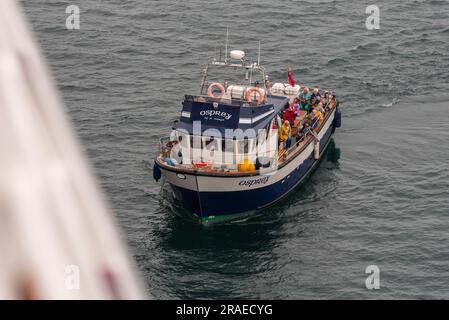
[{"x": 290, "y": 78}]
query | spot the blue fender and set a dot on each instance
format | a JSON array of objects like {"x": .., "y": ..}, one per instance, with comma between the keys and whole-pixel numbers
[
  {"x": 157, "y": 173},
  {"x": 337, "y": 120}
]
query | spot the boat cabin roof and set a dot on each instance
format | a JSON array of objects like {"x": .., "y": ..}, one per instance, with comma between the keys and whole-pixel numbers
[{"x": 217, "y": 115}]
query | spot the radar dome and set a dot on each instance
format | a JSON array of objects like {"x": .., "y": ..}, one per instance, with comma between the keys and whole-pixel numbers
[{"x": 237, "y": 54}]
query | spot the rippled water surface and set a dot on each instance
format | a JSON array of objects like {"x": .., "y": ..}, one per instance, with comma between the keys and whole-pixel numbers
[{"x": 381, "y": 195}]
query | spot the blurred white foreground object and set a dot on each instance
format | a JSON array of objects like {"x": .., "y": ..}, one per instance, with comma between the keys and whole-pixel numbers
[{"x": 57, "y": 235}]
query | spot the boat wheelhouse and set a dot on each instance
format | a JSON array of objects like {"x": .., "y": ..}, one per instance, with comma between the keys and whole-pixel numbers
[{"x": 223, "y": 159}]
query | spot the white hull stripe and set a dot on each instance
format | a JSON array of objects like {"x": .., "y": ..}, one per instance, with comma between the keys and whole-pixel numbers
[
  {"x": 185, "y": 114},
  {"x": 255, "y": 119},
  {"x": 263, "y": 115}
]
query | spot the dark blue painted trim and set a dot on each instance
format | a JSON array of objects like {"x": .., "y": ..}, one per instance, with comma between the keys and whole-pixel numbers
[{"x": 275, "y": 103}]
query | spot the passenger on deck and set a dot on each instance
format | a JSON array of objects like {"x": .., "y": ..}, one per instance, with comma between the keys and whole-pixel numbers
[
  {"x": 304, "y": 100},
  {"x": 289, "y": 115},
  {"x": 267, "y": 83},
  {"x": 304, "y": 129},
  {"x": 316, "y": 93},
  {"x": 294, "y": 126},
  {"x": 320, "y": 108},
  {"x": 317, "y": 117},
  {"x": 318, "y": 100},
  {"x": 325, "y": 98},
  {"x": 296, "y": 129},
  {"x": 297, "y": 122},
  {"x": 277, "y": 122},
  {"x": 313, "y": 103},
  {"x": 295, "y": 106},
  {"x": 312, "y": 119},
  {"x": 284, "y": 135}
]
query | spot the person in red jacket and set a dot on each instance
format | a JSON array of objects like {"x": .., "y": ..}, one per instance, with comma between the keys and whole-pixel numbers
[{"x": 289, "y": 115}]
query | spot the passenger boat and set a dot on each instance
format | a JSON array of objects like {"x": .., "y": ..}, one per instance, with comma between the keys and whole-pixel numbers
[{"x": 223, "y": 159}]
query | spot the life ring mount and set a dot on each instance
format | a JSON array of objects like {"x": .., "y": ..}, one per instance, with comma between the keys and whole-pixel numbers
[
  {"x": 211, "y": 91},
  {"x": 249, "y": 94}
]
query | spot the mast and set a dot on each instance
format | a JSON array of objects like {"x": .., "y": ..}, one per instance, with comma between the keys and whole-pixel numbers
[{"x": 226, "y": 46}]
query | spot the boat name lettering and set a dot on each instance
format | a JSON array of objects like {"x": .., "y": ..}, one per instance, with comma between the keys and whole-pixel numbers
[
  {"x": 211, "y": 113},
  {"x": 250, "y": 183}
]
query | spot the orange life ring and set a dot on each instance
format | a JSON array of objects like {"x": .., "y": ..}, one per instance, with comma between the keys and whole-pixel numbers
[
  {"x": 212, "y": 87},
  {"x": 255, "y": 89}
]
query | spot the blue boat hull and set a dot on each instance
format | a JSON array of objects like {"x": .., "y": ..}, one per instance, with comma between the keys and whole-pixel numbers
[{"x": 225, "y": 205}]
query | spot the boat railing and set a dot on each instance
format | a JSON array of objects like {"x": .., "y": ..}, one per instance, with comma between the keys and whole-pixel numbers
[
  {"x": 285, "y": 152},
  {"x": 205, "y": 164}
]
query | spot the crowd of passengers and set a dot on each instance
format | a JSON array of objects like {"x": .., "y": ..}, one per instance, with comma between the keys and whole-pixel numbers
[
  {"x": 301, "y": 116},
  {"x": 297, "y": 118}
]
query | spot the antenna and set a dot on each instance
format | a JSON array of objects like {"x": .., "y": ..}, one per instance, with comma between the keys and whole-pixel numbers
[
  {"x": 258, "y": 56},
  {"x": 226, "y": 48}
]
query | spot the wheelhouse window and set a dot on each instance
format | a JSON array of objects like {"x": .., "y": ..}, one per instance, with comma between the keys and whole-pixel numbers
[
  {"x": 211, "y": 143},
  {"x": 196, "y": 142},
  {"x": 183, "y": 139},
  {"x": 243, "y": 146}
]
